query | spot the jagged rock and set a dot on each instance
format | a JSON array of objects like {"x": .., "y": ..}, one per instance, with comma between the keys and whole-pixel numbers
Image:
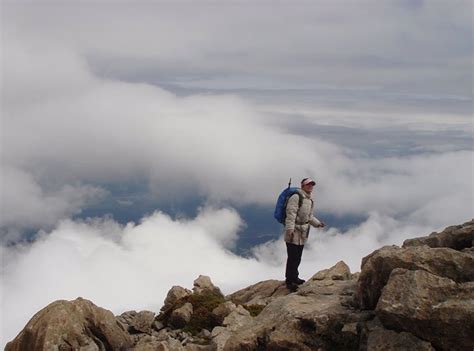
[
  {"x": 340, "y": 271},
  {"x": 259, "y": 294},
  {"x": 456, "y": 237},
  {"x": 158, "y": 325},
  {"x": 432, "y": 308},
  {"x": 181, "y": 316},
  {"x": 174, "y": 294},
  {"x": 389, "y": 340},
  {"x": 374, "y": 337},
  {"x": 376, "y": 267},
  {"x": 203, "y": 283},
  {"x": 126, "y": 319},
  {"x": 310, "y": 319},
  {"x": 223, "y": 310},
  {"x": 237, "y": 318},
  {"x": 77, "y": 324},
  {"x": 142, "y": 322}
]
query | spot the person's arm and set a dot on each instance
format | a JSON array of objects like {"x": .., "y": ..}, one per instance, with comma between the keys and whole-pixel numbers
[
  {"x": 316, "y": 222},
  {"x": 291, "y": 211}
]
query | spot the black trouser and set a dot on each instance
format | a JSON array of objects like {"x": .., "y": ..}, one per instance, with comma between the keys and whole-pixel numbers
[{"x": 293, "y": 261}]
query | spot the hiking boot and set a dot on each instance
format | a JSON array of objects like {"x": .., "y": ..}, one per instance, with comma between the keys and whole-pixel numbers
[
  {"x": 300, "y": 281},
  {"x": 292, "y": 286}
]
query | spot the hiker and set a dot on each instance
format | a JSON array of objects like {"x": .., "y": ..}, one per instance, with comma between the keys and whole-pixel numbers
[{"x": 299, "y": 217}]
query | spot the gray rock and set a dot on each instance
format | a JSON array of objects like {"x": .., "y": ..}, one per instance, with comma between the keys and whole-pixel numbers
[
  {"x": 259, "y": 294},
  {"x": 456, "y": 237},
  {"x": 376, "y": 267},
  {"x": 77, "y": 324},
  {"x": 237, "y": 318},
  {"x": 181, "y": 316},
  {"x": 340, "y": 271},
  {"x": 310, "y": 319},
  {"x": 142, "y": 322},
  {"x": 432, "y": 308},
  {"x": 223, "y": 310},
  {"x": 174, "y": 294},
  {"x": 203, "y": 283},
  {"x": 389, "y": 340},
  {"x": 157, "y": 325}
]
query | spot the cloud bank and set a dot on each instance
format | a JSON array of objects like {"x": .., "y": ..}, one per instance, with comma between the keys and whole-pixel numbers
[{"x": 124, "y": 267}]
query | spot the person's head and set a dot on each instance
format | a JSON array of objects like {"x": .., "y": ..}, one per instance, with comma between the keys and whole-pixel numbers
[{"x": 307, "y": 184}]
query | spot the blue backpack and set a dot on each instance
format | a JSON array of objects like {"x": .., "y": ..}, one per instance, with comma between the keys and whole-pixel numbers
[{"x": 280, "y": 208}]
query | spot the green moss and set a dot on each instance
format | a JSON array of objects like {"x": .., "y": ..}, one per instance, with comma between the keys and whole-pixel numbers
[
  {"x": 202, "y": 317},
  {"x": 254, "y": 309}
]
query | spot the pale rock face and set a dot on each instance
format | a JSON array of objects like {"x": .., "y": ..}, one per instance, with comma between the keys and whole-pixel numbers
[
  {"x": 174, "y": 294},
  {"x": 431, "y": 307},
  {"x": 143, "y": 322},
  {"x": 376, "y": 268},
  {"x": 340, "y": 271},
  {"x": 77, "y": 324},
  {"x": 203, "y": 283},
  {"x": 259, "y": 294},
  {"x": 302, "y": 321},
  {"x": 223, "y": 310}
]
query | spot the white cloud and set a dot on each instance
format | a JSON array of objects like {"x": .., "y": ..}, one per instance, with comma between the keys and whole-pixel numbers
[
  {"x": 133, "y": 266},
  {"x": 26, "y": 205}
]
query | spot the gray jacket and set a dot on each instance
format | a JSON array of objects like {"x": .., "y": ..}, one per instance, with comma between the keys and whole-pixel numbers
[{"x": 299, "y": 219}]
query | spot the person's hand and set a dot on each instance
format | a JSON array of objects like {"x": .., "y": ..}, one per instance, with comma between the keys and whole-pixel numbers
[
  {"x": 322, "y": 225},
  {"x": 289, "y": 232}
]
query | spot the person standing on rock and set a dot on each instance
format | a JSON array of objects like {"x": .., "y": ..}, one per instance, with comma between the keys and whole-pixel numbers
[{"x": 299, "y": 217}]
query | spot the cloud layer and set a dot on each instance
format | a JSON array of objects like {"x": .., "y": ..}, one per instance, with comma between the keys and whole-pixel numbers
[{"x": 133, "y": 266}]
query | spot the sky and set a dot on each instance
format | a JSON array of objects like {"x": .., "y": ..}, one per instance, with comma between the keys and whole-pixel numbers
[{"x": 145, "y": 143}]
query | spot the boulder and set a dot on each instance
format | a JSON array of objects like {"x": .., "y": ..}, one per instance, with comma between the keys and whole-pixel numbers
[
  {"x": 142, "y": 322},
  {"x": 389, "y": 340},
  {"x": 174, "y": 294},
  {"x": 126, "y": 319},
  {"x": 77, "y": 324},
  {"x": 203, "y": 283},
  {"x": 376, "y": 268},
  {"x": 375, "y": 337},
  {"x": 259, "y": 294},
  {"x": 340, "y": 271},
  {"x": 181, "y": 316},
  {"x": 431, "y": 307},
  {"x": 456, "y": 237},
  {"x": 312, "y": 318},
  {"x": 236, "y": 319},
  {"x": 223, "y": 310}
]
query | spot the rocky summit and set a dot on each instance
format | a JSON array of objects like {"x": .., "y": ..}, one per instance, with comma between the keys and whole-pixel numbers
[{"x": 416, "y": 297}]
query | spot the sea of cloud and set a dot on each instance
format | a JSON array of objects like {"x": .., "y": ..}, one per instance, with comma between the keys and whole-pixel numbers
[{"x": 131, "y": 267}]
